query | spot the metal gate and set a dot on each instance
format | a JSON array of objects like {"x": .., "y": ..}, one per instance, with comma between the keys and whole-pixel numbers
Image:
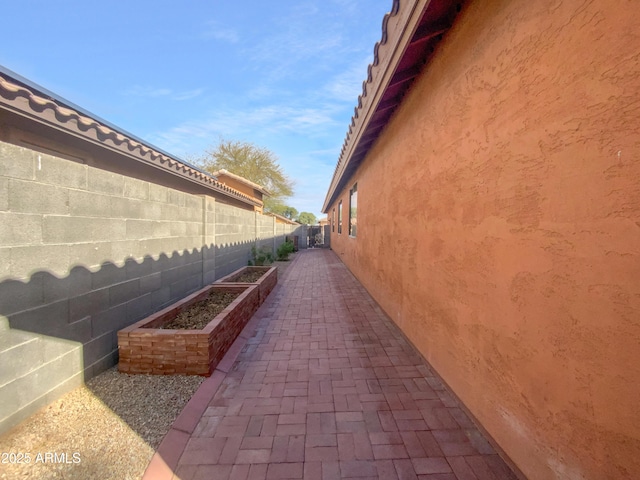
[{"x": 315, "y": 236}]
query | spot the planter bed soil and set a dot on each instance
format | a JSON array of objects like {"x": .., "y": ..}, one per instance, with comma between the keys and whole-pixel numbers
[
  {"x": 265, "y": 277},
  {"x": 198, "y": 315},
  {"x": 249, "y": 277},
  {"x": 148, "y": 346}
]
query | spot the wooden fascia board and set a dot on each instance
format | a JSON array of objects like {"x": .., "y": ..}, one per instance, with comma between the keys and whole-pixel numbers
[
  {"x": 405, "y": 76},
  {"x": 427, "y": 32}
]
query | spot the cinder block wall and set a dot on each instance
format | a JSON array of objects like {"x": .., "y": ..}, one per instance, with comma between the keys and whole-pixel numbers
[
  {"x": 265, "y": 232},
  {"x": 235, "y": 235},
  {"x": 283, "y": 230},
  {"x": 85, "y": 252}
]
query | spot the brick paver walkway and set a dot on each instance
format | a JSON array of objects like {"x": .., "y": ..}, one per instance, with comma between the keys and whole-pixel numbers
[{"x": 324, "y": 387}]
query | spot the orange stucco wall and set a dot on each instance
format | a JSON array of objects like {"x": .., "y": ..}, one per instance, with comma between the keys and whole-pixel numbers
[
  {"x": 499, "y": 226},
  {"x": 240, "y": 186}
]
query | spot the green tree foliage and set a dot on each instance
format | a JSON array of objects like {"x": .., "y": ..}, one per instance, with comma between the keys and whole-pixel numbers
[
  {"x": 307, "y": 218},
  {"x": 284, "y": 210},
  {"x": 254, "y": 163}
]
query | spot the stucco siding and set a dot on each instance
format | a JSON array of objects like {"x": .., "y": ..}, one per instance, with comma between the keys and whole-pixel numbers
[{"x": 498, "y": 227}]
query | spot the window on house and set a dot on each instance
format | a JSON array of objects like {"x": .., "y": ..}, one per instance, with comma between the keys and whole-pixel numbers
[
  {"x": 333, "y": 220},
  {"x": 340, "y": 217},
  {"x": 353, "y": 210}
]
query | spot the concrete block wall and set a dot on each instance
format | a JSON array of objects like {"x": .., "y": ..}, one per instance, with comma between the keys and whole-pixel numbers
[
  {"x": 299, "y": 230},
  {"x": 209, "y": 240},
  {"x": 236, "y": 231},
  {"x": 265, "y": 232},
  {"x": 281, "y": 231},
  {"x": 85, "y": 252},
  {"x": 88, "y": 251},
  {"x": 234, "y": 236}
]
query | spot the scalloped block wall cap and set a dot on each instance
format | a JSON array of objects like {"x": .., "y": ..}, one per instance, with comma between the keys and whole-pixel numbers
[{"x": 14, "y": 95}]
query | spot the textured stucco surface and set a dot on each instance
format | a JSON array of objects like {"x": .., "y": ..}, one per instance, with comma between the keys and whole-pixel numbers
[{"x": 498, "y": 226}]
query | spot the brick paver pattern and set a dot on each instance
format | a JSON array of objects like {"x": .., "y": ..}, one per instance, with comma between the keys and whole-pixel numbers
[{"x": 329, "y": 388}]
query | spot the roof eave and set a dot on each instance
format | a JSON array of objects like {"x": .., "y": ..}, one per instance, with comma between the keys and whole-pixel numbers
[
  {"x": 287, "y": 220},
  {"x": 246, "y": 181},
  {"x": 409, "y": 24}
]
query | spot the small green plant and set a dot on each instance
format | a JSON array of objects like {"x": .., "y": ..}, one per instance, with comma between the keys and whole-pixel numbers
[
  {"x": 261, "y": 256},
  {"x": 284, "y": 250}
]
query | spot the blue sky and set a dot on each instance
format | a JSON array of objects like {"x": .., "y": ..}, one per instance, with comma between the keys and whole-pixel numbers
[{"x": 181, "y": 75}]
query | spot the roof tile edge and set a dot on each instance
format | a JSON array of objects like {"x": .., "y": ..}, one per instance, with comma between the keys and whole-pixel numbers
[
  {"x": 246, "y": 181},
  {"x": 26, "y": 101},
  {"x": 397, "y": 26}
]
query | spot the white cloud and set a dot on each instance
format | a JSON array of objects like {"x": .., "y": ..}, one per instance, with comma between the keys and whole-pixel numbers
[
  {"x": 146, "y": 91},
  {"x": 302, "y": 41},
  {"x": 271, "y": 124},
  {"x": 216, "y": 31},
  {"x": 155, "y": 92},
  {"x": 269, "y": 120},
  {"x": 260, "y": 92},
  {"x": 346, "y": 86},
  {"x": 188, "y": 95}
]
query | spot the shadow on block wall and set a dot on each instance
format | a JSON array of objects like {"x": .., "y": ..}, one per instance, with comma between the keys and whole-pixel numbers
[{"x": 57, "y": 332}]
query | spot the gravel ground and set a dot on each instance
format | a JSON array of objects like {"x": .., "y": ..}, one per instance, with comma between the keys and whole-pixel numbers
[
  {"x": 108, "y": 429},
  {"x": 283, "y": 265}
]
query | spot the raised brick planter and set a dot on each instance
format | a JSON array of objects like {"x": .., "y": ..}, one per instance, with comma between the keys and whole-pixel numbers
[
  {"x": 266, "y": 283},
  {"x": 146, "y": 348}
]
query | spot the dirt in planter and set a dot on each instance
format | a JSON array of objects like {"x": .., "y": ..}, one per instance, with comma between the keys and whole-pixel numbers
[
  {"x": 249, "y": 277},
  {"x": 198, "y": 315}
]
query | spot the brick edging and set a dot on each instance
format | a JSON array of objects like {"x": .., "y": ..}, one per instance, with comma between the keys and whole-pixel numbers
[{"x": 165, "y": 459}]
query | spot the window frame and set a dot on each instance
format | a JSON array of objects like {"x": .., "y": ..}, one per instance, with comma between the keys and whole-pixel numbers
[
  {"x": 333, "y": 220},
  {"x": 340, "y": 217},
  {"x": 353, "y": 215}
]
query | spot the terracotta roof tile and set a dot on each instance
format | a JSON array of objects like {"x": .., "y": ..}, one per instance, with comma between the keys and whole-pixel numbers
[
  {"x": 16, "y": 96},
  {"x": 254, "y": 185},
  {"x": 284, "y": 219},
  {"x": 409, "y": 34}
]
